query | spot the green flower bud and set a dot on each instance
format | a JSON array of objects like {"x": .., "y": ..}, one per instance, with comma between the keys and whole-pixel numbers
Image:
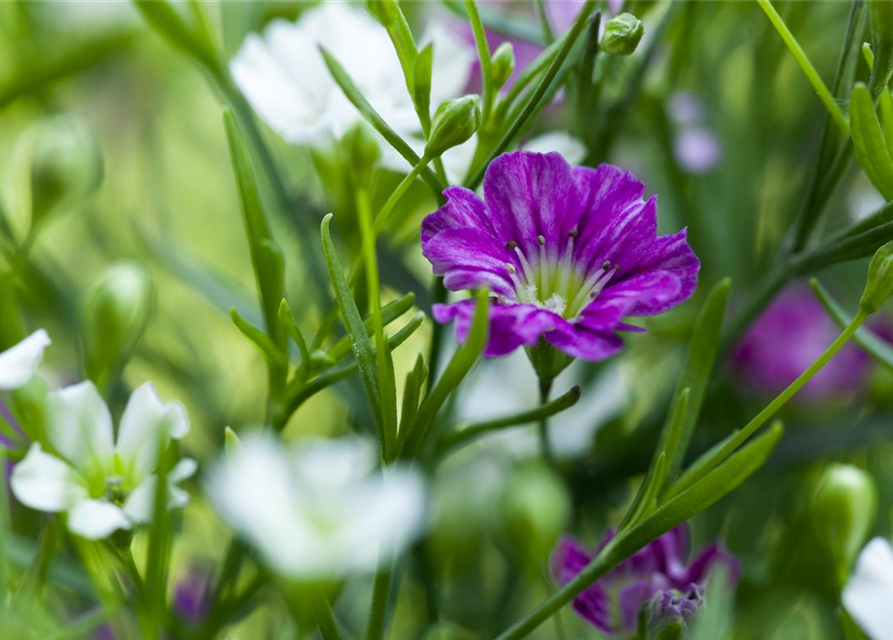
[
  {"x": 534, "y": 510},
  {"x": 843, "y": 512},
  {"x": 362, "y": 151},
  {"x": 66, "y": 167},
  {"x": 115, "y": 314},
  {"x": 385, "y": 11},
  {"x": 502, "y": 64},
  {"x": 622, "y": 34},
  {"x": 455, "y": 121},
  {"x": 231, "y": 443},
  {"x": 879, "y": 285}
]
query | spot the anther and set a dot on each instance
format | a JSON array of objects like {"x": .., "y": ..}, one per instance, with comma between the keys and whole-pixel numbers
[
  {"x": 606, "y": 265},
  {"x": 573, "y": 233},
  {"x": 511, "y": 244},
  {"x": 510, "y": 267},
  {"x": 540, "y": 240}
]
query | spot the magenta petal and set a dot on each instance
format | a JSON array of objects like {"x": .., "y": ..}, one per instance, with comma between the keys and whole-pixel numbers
[
  {"x": 710, "y": 558},
  {"x": 579, "y": 341},
  {"x": 530, "y": 195},
  {"x": 463, "y": 210},
  {"x": 670, "y": 254},
  {"x": 593, "y": 605},
  {"x": 633, "y": 597},
  {"x": 643, "y": 294},
  {"x": 511, "y": 325},
  {"x": 468, "y": 259}
]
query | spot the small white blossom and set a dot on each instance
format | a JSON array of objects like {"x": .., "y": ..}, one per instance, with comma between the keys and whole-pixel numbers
[
  {"x": 284, "y": 77},
  {"x": 18, "y": 364},
  {"x": 320, "y": 512},
  {"x": 868, "y": 596},
  {"x": 102, "y": 483}
]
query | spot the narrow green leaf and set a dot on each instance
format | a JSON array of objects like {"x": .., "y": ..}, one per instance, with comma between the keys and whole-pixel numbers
[
  {"x": 421, "y": 86},
  {"x": 164, "y": 19},
  {"x": 337, "y": 374},
  {"x": 885, "y": 104},
  {"x": 265, "y": 254},
  {"x": 461, "y": 363},
  {"x": 649, "y": 490},
  {"x": 261, "y": 340},
  {"x": 389, "y": 313},
  {"x": 292, "y": 328},
  {"x": 483, "y": 49},
  {"x": 869, "y": 143},
  {"x": 364, "y": 353},
  {"x": 461, "y": 437},
  {"x": 368, "y": 112},
  {"x": 412, "y": 393},
  {"x": 864, "y": 337},
  {"x": 702, "y": 351},
  {"x": 160, "y": 537}
]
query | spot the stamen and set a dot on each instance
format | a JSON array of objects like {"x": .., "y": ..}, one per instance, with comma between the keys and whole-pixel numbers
[
  {"x": 565, "y": 267},
  {"x": 511, "y": 244},
  {"x": 540, "y": 240},
  {"x": 525, "y": 266}
]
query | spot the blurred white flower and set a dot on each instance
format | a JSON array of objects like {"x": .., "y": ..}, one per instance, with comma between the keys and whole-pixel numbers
[
  {"x": 18, "y": 364},
  {"x": 103, "y": 484},
  {"x": 321, "y": 511},
  {"x": 868, "y": 596},
  {"x": 284, "y": 77}
]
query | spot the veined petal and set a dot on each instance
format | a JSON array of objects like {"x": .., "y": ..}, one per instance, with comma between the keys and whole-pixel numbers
[
  {"x": 469, "y": 259},
  {"x": 867, "y": 594},
  {"x": 643, "y": 294},
  {"x": 669, "y": 254},
  {"x": 45, "y": 482},
  {"x": 79, "y": 425},
  {"x": 511, "y": 325},
  {"x": 633, "y": 597},
  {"x": 19, "y": 363},
  {"x": 96, "y": 519},
  {"x": 463, "y": 209},
  {"x": 140, "y": 504},
  {"x": 148, "y": 423},
  {"x": 580, "y": 341},
  {"x": 530, "y": 195},
  {"x": 593, "y": 605}
]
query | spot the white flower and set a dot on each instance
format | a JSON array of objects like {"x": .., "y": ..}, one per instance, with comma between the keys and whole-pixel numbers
[
  {"x": 868, "y": 596},
  {"x": 18, "y": 364},
  {"x": 284, "y": 77},
  {"x": 102, "y": 484},
  {"x": 322, "y": 511}
]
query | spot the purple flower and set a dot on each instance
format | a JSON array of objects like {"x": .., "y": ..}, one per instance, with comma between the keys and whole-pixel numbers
[
  {"x": 192, "y": 594},
  {"x": 697, "y": 149},
  {"x": 568, "y": 253},
  {"x": 788, "y": 337},
  {"x": 656, "y": 575}
]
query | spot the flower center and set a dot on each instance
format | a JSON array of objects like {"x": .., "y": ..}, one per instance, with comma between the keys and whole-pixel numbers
[{"x": 551, "y": 279}]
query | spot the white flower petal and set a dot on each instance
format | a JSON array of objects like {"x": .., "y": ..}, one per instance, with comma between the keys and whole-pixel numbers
[
  {"x": 573, "y": 149},
  {"x": 334, "y": 463},
  {"x": 147, "y": 424},
  {"x": 45, "y": 482},
  {"x": 19, "y": 363},
  {"x": 140, "y": 504},
  {"x": 868, "y": 596},
  {"x": 96, "y": 519},
  {"x": 79, "y": 426}
]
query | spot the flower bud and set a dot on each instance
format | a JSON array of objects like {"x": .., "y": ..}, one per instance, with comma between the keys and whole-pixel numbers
[
  {"x": 534, "y": 510},
  {"x": 502, "y": 64},
  {"x": 879, "y": 285},
  {"x": 362, "y": 151},
  {"x": 843, "y": 512},
  {"x": 622, "y": 34},
  {"x": 66, "y": 167},
  {"x": 385, "y": 11},
  {"x": 455, "y": 121},
  {"x": 231, "y": 443},
  {"x": 115, "y": 312}
]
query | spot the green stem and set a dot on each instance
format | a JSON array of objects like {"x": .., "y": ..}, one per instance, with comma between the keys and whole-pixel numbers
[
  {"x": 545, "y": 445},
  {"x": 702, "y": 468},
  {"x": 325, "y": 619},
  {"x": 377, "y": 614},
  {"x": 806, "y": 65},
  {"x": 464, "y": 436},
  {"x": 397, "y": 194},
  {"x": 548, "y": 35},
  {"x": 483, "y": 48}
]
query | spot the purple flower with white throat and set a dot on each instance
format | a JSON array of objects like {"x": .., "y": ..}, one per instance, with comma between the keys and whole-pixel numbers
[
  {"x": 568, "y": 253},
  {"x": 657, "y": 576}
]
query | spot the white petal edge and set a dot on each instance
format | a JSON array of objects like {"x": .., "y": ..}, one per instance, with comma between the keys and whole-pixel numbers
[
  {"x": 96, "y": 519},
  {"x": 868, "y": 596},
  {"x": 147, "y": 424},
  {"x": 44, "y": 482},
  {"x": 141, "y": 502},
  {"x": 18, "y": 364},
  {"x": 79, "y": 426}
]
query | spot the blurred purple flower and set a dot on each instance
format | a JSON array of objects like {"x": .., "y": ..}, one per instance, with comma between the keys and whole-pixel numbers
[
  {"x": 656, "y": 575},
  {"x": 788, "y": 337},
  {"x": 697, "y": 149},
  {"x": 192, "y": 594},
  {"x": 568, "y": 252}
]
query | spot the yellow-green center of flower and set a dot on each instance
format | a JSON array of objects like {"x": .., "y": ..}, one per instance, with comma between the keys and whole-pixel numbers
[{"x": 553, "y": 281}]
